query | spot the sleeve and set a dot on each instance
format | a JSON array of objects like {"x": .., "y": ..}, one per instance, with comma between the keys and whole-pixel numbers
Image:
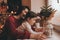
[
  {"x": 37, "y": 25},
  {"x": 28, "y": 28},
  {"x": 11, "y": 25}
]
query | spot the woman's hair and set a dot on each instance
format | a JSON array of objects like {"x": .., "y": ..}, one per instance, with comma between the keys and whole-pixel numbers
[
  {"x": 30, "y": 14},
  {"x": 20, "y": 9}
]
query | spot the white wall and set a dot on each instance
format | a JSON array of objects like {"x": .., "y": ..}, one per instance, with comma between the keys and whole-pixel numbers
[
  {"x": 55, "y": 5},
  {"x": 36, "y": 4}
]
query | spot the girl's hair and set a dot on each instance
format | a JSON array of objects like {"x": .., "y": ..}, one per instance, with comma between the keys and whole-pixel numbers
[
  {"x": 21, "y": 8},
  {"x": 45, "y": 15},
  {"x": 30, "y": 14}
]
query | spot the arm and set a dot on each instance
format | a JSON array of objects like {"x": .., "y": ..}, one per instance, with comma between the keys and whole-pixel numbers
[
  {"x": 11, "y": 25},
  {"x": 30, "y": 30},
  {"x": 37, "y": 25}
]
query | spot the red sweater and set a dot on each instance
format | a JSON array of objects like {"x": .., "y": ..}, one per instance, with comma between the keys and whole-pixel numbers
[{"x": 11, "y": 24}]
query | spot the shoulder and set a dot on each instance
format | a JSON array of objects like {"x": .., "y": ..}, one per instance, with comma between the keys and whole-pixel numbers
[
  {"x": 10, "y": 18},
  {"x": 26, "y": 24}
]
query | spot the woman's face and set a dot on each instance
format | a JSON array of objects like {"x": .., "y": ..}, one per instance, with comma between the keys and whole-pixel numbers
[{"x": 25, "y": 11}]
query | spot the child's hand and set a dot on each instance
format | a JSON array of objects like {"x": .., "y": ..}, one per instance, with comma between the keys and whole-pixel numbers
[{"x": 38, "y": 29}]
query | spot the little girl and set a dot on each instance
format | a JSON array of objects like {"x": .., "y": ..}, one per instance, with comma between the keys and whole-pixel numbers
[
  {"x": 31, "y": 18},
  {"x": 46, "y": 22}
]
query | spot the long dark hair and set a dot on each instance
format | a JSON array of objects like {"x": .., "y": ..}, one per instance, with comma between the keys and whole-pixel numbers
[{"x": 20, "y": 9}]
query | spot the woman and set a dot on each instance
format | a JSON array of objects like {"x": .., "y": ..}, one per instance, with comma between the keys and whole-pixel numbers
[{"x": 11, "y": 24}]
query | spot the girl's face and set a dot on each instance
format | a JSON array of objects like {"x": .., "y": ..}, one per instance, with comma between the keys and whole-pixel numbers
[
  {"x": 32, "y": 21},
  {"x": 51, "y": 16}
]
